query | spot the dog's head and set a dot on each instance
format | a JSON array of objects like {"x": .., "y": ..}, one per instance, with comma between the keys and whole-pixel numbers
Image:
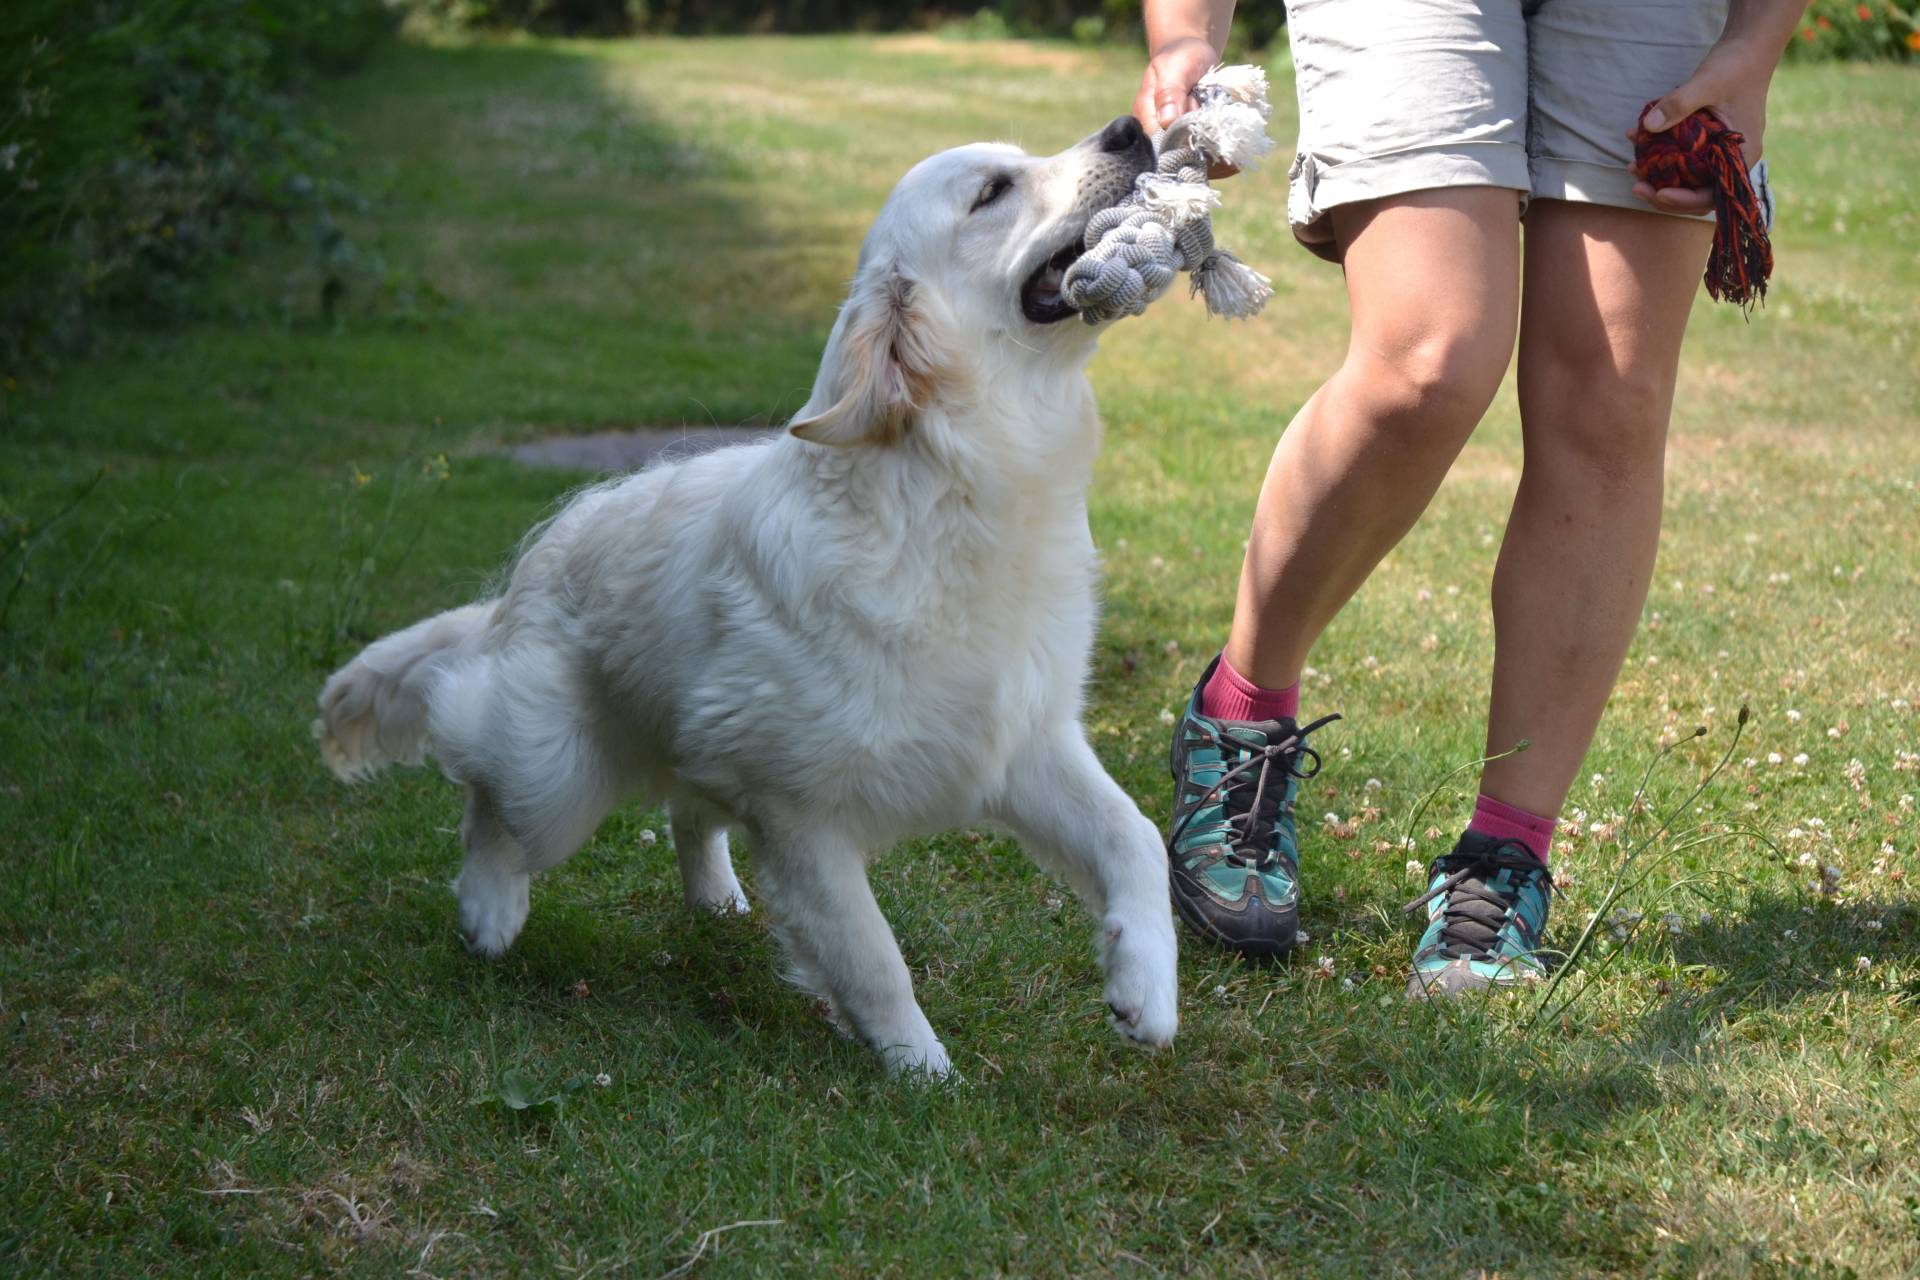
[{"x": 960, "y": 278}]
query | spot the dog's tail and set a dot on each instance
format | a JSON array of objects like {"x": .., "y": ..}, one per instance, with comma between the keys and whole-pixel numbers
[{"x": 373, "y": 711}]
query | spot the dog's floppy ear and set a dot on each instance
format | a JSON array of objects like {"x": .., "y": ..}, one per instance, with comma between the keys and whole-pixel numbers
[{"x": 883, "y": 367}]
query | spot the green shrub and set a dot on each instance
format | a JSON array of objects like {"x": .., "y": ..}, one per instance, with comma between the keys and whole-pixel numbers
[
  {"x": 1857, "y": 29},
  {"x": 136, "y": 138}
]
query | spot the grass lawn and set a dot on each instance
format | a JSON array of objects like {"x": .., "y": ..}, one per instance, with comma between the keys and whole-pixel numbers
[{"x": 240, "y": 1035}]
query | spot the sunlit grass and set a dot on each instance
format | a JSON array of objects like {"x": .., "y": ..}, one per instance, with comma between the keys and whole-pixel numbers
[{"x": 241, "y": 1035}]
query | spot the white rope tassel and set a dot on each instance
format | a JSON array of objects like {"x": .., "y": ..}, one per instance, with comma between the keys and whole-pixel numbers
[{"x": 1165, "y": 224}]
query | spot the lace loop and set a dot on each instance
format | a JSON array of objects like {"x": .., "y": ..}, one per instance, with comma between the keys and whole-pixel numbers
[{"x": 1252, "y": 822}]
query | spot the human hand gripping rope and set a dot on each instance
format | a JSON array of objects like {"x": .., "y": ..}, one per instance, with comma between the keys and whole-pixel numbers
[
  {"x": 1165, "y": 226},
  {"x": 1702, "y": 151}
]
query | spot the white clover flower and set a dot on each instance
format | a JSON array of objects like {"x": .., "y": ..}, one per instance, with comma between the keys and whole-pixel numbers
[
  {"x": 603, "y": 1079},
  {"x": 1795, "y": 833},
  {"x": 1373, "y": 784},
  {"x": 1326, "y": 965},
  {"x": 1301, "y": 937},
  {"x": 1348, "y": 984},
  {"x": 1833, "y": 731},
  {"x": 1800, "y": 761},
  {"x": 1816, "y": 823},
  {"x": 1423, "y": 595},
  {"x": 1871, "y": 926},
  {"x": 1794, "y": 716},
  {"x": 1370, "y": 662},
  {"x": 1805, "y": 859},
  {"x": 1414, "y": 868},
  {"x": 1598, "y": 782},
  {"x": 1706, "y": 918},
  {"x": 1674, "y": 924},
  {"x": 1331, "y": 819},
  {"x": 1899, "y": 704},
  {"x": 1220, "y": 990},
  {"x": 1862, "y": 964},
  {"x": 1830, "y": 873},
  {"x": 1166, "y": 716},
  {"x": 648, "y": 835},
  {"x": 1156, "y": 562},
  {"x": 1774, "y": 757},
  {"x": 1171, "y": 648}
]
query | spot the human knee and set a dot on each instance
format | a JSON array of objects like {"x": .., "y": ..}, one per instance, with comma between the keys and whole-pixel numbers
[
  {"x": 1589, "y": 413},
  {"x": 1435, "y": 382}
]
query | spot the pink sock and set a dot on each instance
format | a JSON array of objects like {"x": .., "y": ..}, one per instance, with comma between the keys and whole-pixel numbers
[
  {"x": 1504, "y": 822},
  {"x": 1231, "y": 696}
]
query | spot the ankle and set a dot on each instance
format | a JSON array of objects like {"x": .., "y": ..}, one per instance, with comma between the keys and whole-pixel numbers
[
  {"x": 1502, "y": 821},
  {"x": 1228, "y": 695}
]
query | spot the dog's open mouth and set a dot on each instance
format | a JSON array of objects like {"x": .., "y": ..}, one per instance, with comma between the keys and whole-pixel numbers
[{"x": 1041, "y": 300}]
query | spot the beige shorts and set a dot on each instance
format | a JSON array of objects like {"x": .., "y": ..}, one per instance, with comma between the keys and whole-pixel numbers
[{"x": 1533, "y": 95}]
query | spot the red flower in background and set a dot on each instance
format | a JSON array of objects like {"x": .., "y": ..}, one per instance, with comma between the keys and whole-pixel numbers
[{"x": 1866, "y": 14}]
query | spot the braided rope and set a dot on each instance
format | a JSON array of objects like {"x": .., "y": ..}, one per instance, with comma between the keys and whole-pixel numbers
[{"x": 1164, "y": 225}]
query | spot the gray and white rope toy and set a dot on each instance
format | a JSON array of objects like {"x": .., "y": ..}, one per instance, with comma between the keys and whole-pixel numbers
[{"x": 1165, "y": 225}]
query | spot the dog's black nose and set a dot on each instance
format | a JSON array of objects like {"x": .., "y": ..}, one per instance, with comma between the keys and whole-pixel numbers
[{"x": 1122, "y": 135}]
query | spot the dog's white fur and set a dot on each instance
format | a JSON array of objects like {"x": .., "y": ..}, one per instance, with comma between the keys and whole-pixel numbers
[{"x": 872, "y": 627}]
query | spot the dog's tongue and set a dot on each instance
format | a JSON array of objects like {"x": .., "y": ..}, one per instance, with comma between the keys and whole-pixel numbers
[{"x": 1046, "y": 287}]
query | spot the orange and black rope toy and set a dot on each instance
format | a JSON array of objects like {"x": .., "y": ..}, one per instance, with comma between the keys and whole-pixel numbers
[{"x": 1701, "y": 151}]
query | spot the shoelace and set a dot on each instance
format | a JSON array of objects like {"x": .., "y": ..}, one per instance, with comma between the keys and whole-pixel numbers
[
  {"x": 1248, "y": 847},
  {"x": 1474, "y": 909}
]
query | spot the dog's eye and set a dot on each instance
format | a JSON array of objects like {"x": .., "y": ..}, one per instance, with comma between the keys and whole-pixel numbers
[{"x": 996, "y": 187}]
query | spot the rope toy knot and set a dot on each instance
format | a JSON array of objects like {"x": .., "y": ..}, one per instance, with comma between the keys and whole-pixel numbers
[
  {"x": 1701, "y": 151},
  {"x": 1165, "y": 224}
]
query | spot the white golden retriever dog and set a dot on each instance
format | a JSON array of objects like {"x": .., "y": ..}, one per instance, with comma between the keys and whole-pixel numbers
[{"x": 873, "y": 627}]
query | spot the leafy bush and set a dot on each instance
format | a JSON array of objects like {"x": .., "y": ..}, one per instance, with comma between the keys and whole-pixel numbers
[
  {"x": 135, "y": 137},
  {"x": 1858, "y": 29}
]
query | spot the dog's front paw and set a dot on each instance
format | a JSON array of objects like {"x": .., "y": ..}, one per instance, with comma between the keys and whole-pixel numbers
[
  {"x": 1142, "y": 985},
  {"x": 722, "y": 901},
  {"x": 925, "y": 1061},
  {"x": 493, "y": 907}
]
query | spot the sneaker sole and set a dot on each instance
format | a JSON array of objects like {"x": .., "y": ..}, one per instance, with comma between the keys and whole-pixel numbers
[{"x": 1285, "y": 929}]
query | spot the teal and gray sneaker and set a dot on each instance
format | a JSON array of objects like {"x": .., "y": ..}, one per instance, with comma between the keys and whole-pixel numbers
[
  {"x": 1486, "y": 909},
  {"x": 1233, "y": 852}
]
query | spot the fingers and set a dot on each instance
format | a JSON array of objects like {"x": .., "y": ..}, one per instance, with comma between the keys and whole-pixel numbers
[
  {"x": 1143, "y": 106},
  {"x": 1673, "y": 108},
  {"x": 1171, "y": 100},
  {"x": 1675, "y": 199}
]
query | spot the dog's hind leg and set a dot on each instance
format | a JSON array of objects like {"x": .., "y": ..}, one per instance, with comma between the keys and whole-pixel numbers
[
  {"x": 493, "y": 883},
  {"x": 706, "y": 866},
  {"x": 1074, "y": 819},
  {"x": 842, "y": 949}
]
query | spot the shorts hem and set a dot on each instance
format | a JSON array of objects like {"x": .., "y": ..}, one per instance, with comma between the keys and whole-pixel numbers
[
  {"x": 1584, "y": 182},
  {"x": 1316, "y": 188}
]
